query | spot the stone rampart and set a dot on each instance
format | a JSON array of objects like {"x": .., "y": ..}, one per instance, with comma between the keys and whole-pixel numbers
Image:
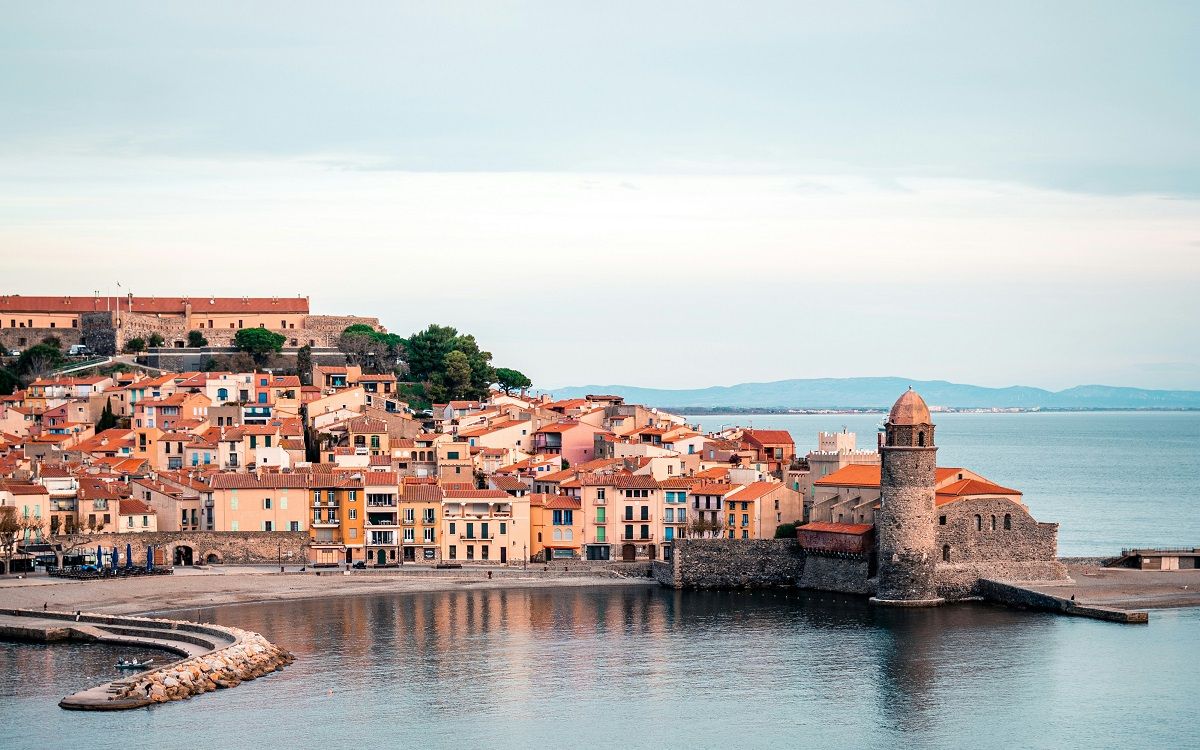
[
  {"x": 23, "y": 338},
  {"x": 846, "y": 574},
  {"x": 245, "y": 547},
  {"x": 735, "y": 563}
]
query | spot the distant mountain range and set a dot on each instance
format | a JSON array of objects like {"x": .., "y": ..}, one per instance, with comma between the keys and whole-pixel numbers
[{"x": 861, "y": 393}]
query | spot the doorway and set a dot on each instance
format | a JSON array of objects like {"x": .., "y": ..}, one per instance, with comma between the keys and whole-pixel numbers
[
  {"x": 380, "y": 558},
  {"x": 183, "y": 555}
]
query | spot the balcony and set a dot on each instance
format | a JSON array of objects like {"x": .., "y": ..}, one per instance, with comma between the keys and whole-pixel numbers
[
  {"x": 599, "y": 521},
  {"x": 643, "y": 519},
  {"x": 637, "y": 537},
  {"x": 326, "y": 504},
  {"x": 328, "y": 523}
]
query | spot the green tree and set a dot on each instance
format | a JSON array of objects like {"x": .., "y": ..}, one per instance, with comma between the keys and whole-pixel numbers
[
  {"x": 457, "y": 377},
  {"x": 8, "y": 382},
  {"x": 426, "y": 351},
  {"x": 304, "y": 364},
  {"x": 259, "y": 343},
  {"x": 135, "y": 345},
  {"x": 785, "y": 531},
  {"x": 107, "y": 419},
  {"x": 38, "y": 359},
  {"x": 53, "y": 342},
  {"x": 196, "y": 339},
  {"x": 511, "y": 380},
  {"x": 156, "y": 340}
]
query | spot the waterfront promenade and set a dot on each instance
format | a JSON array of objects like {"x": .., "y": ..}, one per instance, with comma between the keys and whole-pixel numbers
[{"x": 190, "y": 588}]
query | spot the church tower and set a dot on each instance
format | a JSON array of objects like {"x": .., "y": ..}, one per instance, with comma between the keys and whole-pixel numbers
[{"x": 905, "y": 526}]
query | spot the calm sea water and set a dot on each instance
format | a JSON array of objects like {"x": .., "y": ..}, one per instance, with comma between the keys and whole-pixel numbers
[
  {"x": 647, "y": 667},
  {"x": 1110, "y": 479}
]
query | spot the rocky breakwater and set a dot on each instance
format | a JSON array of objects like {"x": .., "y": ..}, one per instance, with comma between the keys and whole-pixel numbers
[{"x": 251, "y": 657}]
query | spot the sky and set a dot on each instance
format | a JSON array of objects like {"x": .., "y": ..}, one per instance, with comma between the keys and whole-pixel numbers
[{"x": 659, "y": 194}]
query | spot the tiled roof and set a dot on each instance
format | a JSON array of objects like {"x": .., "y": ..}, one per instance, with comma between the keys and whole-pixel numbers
[
  {"x": 556, "y": 502},
  {"x": 422, "y": 493},
  {"x": 134, "y": 507},
  {"x": 754, "y": 490},
  {"x": 477, "y": 494},
  {"x": 857, "y": 529},
  {"x": 854, "y": 475},
  {"x": 164, "y": 305},
  {"x": 769, "y": 437}
]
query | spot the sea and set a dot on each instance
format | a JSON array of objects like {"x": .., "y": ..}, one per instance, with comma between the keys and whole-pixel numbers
[
  {"x": 1111, "y": 480},
  {"x": 644, "y": 667}
]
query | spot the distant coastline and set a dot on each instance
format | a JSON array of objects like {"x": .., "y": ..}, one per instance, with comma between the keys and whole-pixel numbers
[{"x": 783, "y": 411}]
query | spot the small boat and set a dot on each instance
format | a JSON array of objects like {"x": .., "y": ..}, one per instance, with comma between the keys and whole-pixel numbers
[{"x": 133, "y": 663}]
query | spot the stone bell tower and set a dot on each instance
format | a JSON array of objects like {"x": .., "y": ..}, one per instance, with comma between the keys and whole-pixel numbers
[{"x": 905, "y": 525}]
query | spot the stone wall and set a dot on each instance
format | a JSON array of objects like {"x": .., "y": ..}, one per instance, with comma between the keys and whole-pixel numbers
[
  {"x": 734, "y": 563},
  {"x": 101, "y": 332},
  {"x": 993, "y": 529},
  {"x": 847, "y": 574},
  {"x": 183, "y": 360},
  {"x": 23, "y": 338},
  {"x": 246, "y": 547}
]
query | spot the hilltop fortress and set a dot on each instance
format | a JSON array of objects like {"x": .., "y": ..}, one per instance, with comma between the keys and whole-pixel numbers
[{"x": 105, "y": 323}]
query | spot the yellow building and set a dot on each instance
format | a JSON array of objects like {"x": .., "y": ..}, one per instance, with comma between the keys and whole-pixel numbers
[
  {"x": 420, "y": 522},
  {"x": 556, "y": 527},
  {"x": 338, "y": 518}
]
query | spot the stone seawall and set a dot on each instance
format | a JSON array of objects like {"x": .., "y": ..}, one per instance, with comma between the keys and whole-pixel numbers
[
  {"x": 1012, "y": 595},
  {"x": 846, "y": 574},
  {"x": 734, "y": 563},
  {"x": 244, "y": 547}
]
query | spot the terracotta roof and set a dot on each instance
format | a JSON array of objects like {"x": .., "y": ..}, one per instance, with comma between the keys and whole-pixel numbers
[
  {"x": 228, "y": 481},
  {"x": 164, "y": 305},
  {"x": 477, "y": 494},
  {"x": 134, "y": 507},
  {"x": 507, "y": 483},
  {"x": 768, "y": 437},
  {"x": 754, "y": 490},
  {"x": 857, "y": 529},
  {"x": 557, "y": 502},
  {"x": 713, "y": 488},
  {"x": 23, "y": 488},
  {"x": 634, "y": 481},
  {"x": 909, "y": 409},
  {"x": 970, "y": 488},
  {"x": 421, "y": 493},
  {"x": 677, "y": 483},
  {"x": 854, "y": 475}
]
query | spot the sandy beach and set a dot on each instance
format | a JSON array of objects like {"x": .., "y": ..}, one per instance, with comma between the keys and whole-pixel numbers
[
  {"x": 235, "y": 585},
  {"x": 187, "y": 588}
]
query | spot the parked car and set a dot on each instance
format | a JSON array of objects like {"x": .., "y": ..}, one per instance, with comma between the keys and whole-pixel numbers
[
  {"x": 13, "y": 352},
  {"x": 360, "y": 565},
  {"x": 78, "y": 350}
]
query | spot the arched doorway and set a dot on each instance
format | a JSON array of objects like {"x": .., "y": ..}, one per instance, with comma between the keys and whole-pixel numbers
[
  {"x": 184, "y": 554},
  {"x": 628, "y": 552},
  {"x": 212, "y": 558},
  {"x": 650, "y": 552},
  {"x": 380, "y": 557}
]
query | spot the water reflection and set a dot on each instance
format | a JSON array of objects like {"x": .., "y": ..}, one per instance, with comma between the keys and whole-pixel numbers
[{"x": 649, "y": 667}]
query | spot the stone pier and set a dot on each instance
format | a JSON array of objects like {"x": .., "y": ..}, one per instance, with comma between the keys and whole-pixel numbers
[{"x": 214, "y": 656}]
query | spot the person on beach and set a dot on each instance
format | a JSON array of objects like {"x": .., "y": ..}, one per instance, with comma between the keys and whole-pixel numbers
[{"x": 77, "y": 614}]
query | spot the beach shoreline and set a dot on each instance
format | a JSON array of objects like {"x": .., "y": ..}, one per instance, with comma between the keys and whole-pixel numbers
[{"x": 192, "y": 589}]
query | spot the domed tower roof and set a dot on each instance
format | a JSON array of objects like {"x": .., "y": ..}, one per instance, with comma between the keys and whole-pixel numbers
[{"x": 910, "y": 409}]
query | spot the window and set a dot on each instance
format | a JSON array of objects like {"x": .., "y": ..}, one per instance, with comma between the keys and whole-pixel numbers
[
  {"x": 732, "y": 519},
  {"x": 941, "y": 520},
  {"x": 599, "y": 493},
  {"x": 483, "y": 552},
  {"x": 979, "y": 523},
  {"x": 628, "y": 532},
  {"x": 645, "y": 512},
  {"x": 428, "y": 536},
  {"x": 483, "y": 531},
  {"x": 329, "y": 496},
  {"x": 921, "y": 439},
  {"x": 945, "y": 553},
  {"x": 993, "y": 523},
  {"x": 452, "y": 531},
  {"x": 408, "y": 535},
  {"x": 128, "y": 521},
  {"x": 645, "y": 532},
  {"x": 600, "y": 534},
  {"x": 600, "y": 515},
  {"x": 745, "y": 519},
  {"x": 354, "y": 514},
  {"x": 669, "y": 515},
  {"x": 428, "y": 515},
  {"x": 503, "y": 528},
  {"x": 453, "y": 549},
  {"x": 266, "y": 503},
  {"x": 470, "y": 534},
  {"x": 628, "y": 512},
  {"x": 408, "y": 515},
  {"x": 470, "y": 551},
  {"x": 1007, "y": 521},
  {"x": 353, "y": 495},
  {"x": 267, "y": 526},
  {"x": 294, "y": 526}
]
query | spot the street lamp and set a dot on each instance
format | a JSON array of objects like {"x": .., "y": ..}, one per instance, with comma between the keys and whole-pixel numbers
[{"x": 279, "y": 555}]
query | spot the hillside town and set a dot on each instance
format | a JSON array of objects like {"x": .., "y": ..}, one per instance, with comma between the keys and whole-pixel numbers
[{"x": 330, "y": 445}]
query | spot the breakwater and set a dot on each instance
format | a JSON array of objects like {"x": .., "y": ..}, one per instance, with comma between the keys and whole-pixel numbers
[{"x": 215, "y": 657}]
